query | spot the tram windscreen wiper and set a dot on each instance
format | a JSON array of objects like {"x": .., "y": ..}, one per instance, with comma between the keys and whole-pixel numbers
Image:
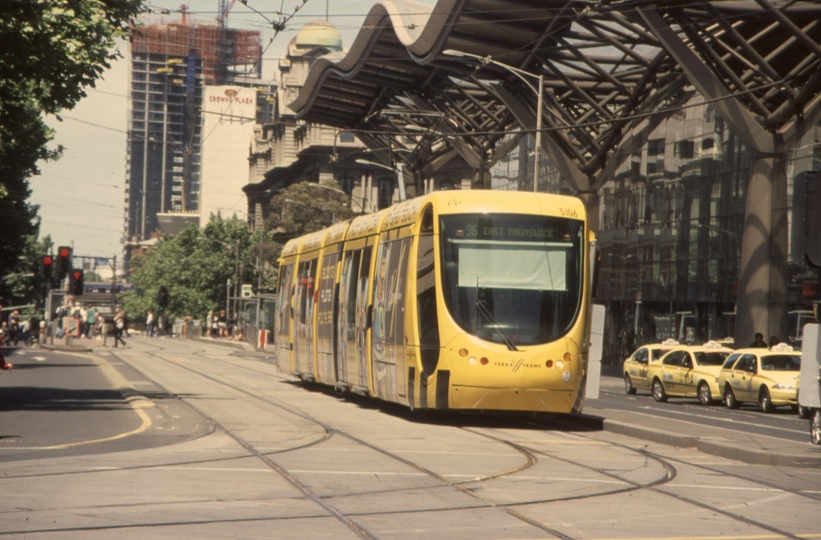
[{"x": 480, "y": 307}]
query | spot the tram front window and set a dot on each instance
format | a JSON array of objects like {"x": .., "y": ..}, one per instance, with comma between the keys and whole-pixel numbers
[{"x": 512, "y": 278}]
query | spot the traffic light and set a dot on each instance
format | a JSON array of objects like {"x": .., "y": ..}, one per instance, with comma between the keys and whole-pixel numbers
[
  {"x": 63, "y": 261},
  {"x": 162, "y": 297},
  {"x": 46, "y": 268},
  {"x": 75, "y": 282}
]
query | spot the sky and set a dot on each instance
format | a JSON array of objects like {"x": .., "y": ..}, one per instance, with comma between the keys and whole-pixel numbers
[{"x": 82, "y": 195}]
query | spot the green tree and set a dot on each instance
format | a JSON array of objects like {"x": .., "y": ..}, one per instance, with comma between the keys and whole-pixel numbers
[
  {"x": 24, "y": 285},
  {"x": 305, "y": 207},
  {"x": 50, "y": 52},
  {"x": 195, "y": 265}
]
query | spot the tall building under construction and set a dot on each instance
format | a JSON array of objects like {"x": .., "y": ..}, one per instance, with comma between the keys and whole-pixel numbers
[{"x": 170, "y": 65}]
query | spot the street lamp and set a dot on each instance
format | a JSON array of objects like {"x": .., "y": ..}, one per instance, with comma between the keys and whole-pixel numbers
[
  {"x": 539, "y": 95},
  {"x": 238, "y": 278}
]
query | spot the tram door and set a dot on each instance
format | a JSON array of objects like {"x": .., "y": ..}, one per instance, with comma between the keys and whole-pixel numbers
[
  {"x": 283, "y": 319},
  {"x": 325, "y": 320},
  {"x": 387, "y": 336},
  {"x": 303, "y": 316},
  {"x": 353, "y": 308}
]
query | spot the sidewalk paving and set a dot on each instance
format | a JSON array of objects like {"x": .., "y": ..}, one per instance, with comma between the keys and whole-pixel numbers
[{"x": 727, "y": 443}]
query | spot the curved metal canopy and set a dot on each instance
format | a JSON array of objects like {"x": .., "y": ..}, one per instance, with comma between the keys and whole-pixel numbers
[{"x": 435, "y": 81}]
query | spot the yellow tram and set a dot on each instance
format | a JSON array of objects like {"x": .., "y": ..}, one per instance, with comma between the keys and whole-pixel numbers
[{"x": 464, "y": 300}]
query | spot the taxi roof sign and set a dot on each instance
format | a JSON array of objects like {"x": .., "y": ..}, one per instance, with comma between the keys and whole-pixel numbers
[
  {"x": 670, "y": 342},
  {"x": 781, "y": 347}
]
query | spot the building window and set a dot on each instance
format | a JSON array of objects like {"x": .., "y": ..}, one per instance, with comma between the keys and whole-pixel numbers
[
  {"x": 684, "y": 149},
  {"x": 655, "y": 147},
  {"x": 385, "y": 193},
  {"x": 346, "y": 185}
]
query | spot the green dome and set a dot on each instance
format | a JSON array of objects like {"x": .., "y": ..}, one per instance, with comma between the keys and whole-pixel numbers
[{"x": 319, "y": 33}]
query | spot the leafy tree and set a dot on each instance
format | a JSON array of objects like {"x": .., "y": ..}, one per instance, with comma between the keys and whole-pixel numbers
[
  {"x": 303, "y": 208},
  {"x": 24, "y": 285},
  {"x": 92, "y": 277},
  {"x": 50, "y": 52},
  {"x": 195, "y": 266}
]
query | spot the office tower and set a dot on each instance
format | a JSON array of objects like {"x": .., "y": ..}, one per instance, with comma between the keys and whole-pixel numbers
[{"x": 170, "y": 65}]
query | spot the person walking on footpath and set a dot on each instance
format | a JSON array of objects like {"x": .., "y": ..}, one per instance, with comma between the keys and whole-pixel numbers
[
  {"x": 119, "y": 326},
  {"x": 759, "y": 342},
  {"x": 3, "y": 364},
  {"x": 102, "y": 328},
  {"x": 149, "y": 324}
]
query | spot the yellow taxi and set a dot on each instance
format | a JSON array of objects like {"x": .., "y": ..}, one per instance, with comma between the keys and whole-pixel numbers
[
  {"x": 689, "y": 371},
  {"x": 635, "y": 367},
  {"x": 768, "y": 377}
]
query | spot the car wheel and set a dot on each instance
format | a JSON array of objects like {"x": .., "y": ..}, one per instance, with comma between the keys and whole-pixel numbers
[
  {"x": 658, "y": 391},
  {"x": 765, "y": 401},
  {"x": 815, "y": 426},
  {"x": 729, "y": 398},
  {"x": 803, "y": 412},
  {"x": 704, "y": 394},
  {"x": 628, "y": 385}
]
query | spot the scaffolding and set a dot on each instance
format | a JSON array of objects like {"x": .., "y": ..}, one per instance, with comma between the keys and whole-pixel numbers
[{"x": 241, "y": 50}]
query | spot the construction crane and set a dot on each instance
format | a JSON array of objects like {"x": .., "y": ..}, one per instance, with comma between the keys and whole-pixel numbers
[
  {"x": 223, "y": 9},
  {"x": 225, "y": 52}
]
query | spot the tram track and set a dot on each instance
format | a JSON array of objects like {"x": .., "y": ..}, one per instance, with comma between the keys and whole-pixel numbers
[
  {"x": 532, "y": 456},
  {"x": 360, "y": 531}
]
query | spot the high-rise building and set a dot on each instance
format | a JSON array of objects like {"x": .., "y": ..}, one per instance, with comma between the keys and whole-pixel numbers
[{"x": 170, "y": 65}]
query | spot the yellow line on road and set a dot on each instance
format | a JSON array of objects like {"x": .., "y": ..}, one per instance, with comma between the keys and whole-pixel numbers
[{"x": 138, "y": 403}]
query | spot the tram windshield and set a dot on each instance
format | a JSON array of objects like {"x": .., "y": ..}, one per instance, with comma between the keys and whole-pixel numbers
[{"x": 512, "y": 278}]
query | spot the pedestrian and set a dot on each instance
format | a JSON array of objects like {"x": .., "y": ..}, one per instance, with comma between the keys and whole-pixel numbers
[
  {"x": 759, "y": 342},
  {"x": 125, "y": 324},
  {"x": 209, "y": 320},
  {"x": 149, "y": 324},
  {"x": 774, "y": 341},
  {"x": 101, "y": 328},
  {"x": 14, "y": 326},
  {"x": 222, "y": 321},
  {"x": 91, "y": 316},
  {"x": 5, "y": 366},
  {"x": 119, "y": 326}
]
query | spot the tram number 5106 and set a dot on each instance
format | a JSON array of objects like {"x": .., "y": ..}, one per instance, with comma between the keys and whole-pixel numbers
[{"x": 567, "y": 212}]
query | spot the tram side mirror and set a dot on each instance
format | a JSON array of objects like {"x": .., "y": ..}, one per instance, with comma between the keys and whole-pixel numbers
[{"x": 595, "y": 259}]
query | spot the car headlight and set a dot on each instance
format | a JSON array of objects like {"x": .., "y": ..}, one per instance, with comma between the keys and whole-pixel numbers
[{"x": 784, "y": 386}]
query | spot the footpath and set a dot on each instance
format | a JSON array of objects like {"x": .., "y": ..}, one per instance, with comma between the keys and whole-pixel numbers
[{"x": 713, "y": 440}]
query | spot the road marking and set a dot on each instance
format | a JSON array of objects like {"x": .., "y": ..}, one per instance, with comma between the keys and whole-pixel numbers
[
  {"x": 40, "y": 358},
  {"x": 138, "y": 403}
]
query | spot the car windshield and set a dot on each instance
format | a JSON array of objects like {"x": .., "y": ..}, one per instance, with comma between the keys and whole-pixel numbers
[
  {"x": 512, "y": 277},
  {"x": 779, "y": 362},
  {"x": 711, "y": 358}
]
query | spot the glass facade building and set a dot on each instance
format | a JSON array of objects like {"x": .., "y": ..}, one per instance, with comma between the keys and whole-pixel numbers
[{"x": 670, "y": 227}]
